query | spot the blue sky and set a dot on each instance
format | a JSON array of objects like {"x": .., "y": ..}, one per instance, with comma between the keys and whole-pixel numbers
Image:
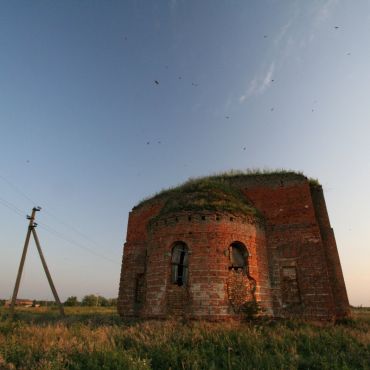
[{"x": 86, "y": 132}]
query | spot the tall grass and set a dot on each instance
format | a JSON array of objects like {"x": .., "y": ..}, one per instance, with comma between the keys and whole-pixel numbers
[{"x": 100, "y": 340}]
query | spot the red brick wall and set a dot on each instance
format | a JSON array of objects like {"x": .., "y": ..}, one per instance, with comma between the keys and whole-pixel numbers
[
  {"x": 336, "y": 279},
  {"x": 294, "y": 240},
  {"x": 133, "y": 262},
  {"x": 208, "y": 237},
  {"x": 292, "y": 259}
]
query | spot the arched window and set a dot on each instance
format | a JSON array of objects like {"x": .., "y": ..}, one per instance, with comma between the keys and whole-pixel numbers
[
  {"x": 179, "y": 263},
  {"x": 238, "y": 257}
]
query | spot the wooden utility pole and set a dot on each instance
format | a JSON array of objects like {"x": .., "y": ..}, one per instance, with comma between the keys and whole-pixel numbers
[{"x": 31, "y": 230}]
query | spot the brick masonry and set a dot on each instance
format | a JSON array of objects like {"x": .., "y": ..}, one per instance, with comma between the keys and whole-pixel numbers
[{"x": 293, "y": 267}]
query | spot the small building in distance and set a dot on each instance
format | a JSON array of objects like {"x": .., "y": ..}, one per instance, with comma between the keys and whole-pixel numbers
[
  {"x": 20, "y": 302},
  {"x": 214, "y": 246}
]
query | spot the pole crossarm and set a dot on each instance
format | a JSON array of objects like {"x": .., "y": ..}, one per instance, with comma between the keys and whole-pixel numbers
[{"x": 31, "y": 230}]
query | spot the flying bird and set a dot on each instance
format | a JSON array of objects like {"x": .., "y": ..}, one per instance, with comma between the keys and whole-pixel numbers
[
  {"x": 156, "y": 82},
  {"x": 227, "y": 117},
  {"x": 336, "y": 27},
  {"x": 180, "y": 77},
  {"x": 348, "y": 54},
  {"x": 265, "y": 36},
  {"x": 194, "y": 84},
  {"x": 272, "y": 109},
  {"x": 244, "y": 148},
  {"x": 148, "y": 142}
]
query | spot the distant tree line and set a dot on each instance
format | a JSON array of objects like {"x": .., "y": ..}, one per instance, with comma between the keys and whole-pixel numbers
[{"x": 91, "y": 300}]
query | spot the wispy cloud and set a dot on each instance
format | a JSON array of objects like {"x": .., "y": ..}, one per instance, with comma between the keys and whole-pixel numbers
[
  {"x": 321, "y": 15},
  {"x": 259, "y": 84},
  {"x": 282, "y": 32},
  {"x": 286, "y": 42}
]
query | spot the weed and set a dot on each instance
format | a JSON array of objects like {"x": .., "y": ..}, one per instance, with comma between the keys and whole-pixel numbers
[{"x": 80, "y": 341}]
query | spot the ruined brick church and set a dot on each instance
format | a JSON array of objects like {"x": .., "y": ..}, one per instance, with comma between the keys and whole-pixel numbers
[{"x": 213, "y": 246}]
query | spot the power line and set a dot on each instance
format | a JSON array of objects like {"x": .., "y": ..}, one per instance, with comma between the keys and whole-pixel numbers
[
  {"x": 24, "y": 195},
  {"x": 16, "y": 188},
  {"x": 51, "y": 230},
  {"x": 70, "y": 241},
  {"x": 73, "y": 228},
  {"x": 12, "y": 207}
]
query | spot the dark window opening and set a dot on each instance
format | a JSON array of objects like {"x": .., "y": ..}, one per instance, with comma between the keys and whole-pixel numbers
[
  {"x": 290, "y": 290},
  {"x": 139, "y": 289},
  {"x": 180, "y": 264},
  {"x": 238, "y": 258}
]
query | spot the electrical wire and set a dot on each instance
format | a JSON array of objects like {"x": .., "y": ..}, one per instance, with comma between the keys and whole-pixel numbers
[
  {"x": 12, "y": 207},
  {"x": 58, "y": 234},
  {"x": 72, "y": 228},
  {"x": 16, "y": 188},
  {"x": 24, "y": 195},
  {"x": 51, "y": 230}
]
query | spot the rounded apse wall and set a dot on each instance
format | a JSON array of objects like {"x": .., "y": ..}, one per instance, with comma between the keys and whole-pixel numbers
[{"x": 204, "y": 265}]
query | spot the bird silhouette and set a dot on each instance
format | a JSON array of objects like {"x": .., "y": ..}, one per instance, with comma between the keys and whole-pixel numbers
[
  {"x": 227, "y": 117},
  {"x": 244, "y": 148},
  {"x": 272, "y": 109},
  {"x": 180, "y": 77},
  {"x": 336, "y": 27},
  {"x": 156, "y": 82},
  {"x": 194, "y": 84},
  {"x": 148, "y": 142},
  {"x": 265, "y": 36}
]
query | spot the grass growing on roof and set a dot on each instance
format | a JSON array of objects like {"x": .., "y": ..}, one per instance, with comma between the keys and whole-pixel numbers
[
  {"x": 313, "y": 182},
  {"x": 207, "y": 195},
  {"x": 226, "y": 179}
]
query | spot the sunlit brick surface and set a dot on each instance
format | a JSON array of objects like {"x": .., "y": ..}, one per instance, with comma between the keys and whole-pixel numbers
[{"x": 293, "y": 263}]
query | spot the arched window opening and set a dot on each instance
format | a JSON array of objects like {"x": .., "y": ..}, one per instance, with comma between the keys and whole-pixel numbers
[
  {"x": 179, "y": 263},
  {"x": 238, "y": 257}
]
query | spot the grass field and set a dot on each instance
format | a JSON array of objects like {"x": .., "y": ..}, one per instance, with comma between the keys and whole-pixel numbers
[{"x": 98, "y": 339}]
